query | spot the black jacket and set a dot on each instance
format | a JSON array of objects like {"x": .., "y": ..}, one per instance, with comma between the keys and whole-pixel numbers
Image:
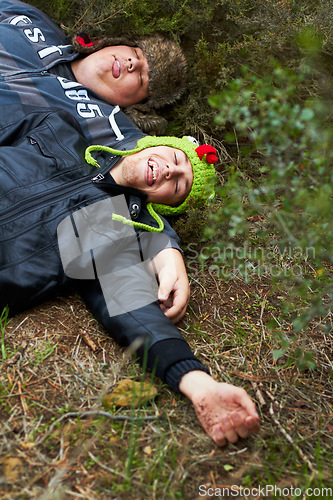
[
  {"x": 32, "y": 48},
  {"x": 45, "y": 181}
]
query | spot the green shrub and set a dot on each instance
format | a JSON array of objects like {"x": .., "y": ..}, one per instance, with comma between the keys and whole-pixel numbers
[{"x": 291, "y": 193}]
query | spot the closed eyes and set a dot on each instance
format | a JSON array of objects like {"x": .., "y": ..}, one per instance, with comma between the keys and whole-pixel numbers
[
  {"x": 140, "y": 74},
  {"x": 176, "y": 159}
]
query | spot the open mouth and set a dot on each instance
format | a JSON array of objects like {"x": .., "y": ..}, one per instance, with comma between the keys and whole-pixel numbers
[{"x": 152, "y": 172}]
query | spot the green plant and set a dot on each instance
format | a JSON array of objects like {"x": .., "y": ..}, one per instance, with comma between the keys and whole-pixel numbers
[
  {"x": 42, "y": 353},
  {"x": 5, "y": 351},
  {"x": 3, "y": 324},
  {"x": 293, "y": 193}
]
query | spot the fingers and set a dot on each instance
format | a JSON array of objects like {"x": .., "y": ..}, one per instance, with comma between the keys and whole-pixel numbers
[
  {"x": 234, "y": 425},
  {"x": 232, "y": 428},
  {"x": 239, "y": 425},
  {"x": 246, "y": 421},
  {"x": 253, "y": 424},
  {"x": 226, "y": 432},
  {"x": 226, "y": 412},
  {"x": 244, "y": 427},
  {"x": 246, "y": 402},
  {"x": 218, "y": 436},
  {"x": 174, "y": 297},
  {"x": 166, "y": 284},
  {"x": 175, "y": 307},
  {"x": 174, "y": 289},
  {"x": 173, "y": 313},
  {"x": 229, "y": 430}
]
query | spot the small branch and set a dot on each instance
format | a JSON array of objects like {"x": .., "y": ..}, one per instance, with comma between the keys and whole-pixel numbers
[
  {"x": 90, "y": 343},
  {"x": 85, "y": 12},
  {"x": 291, "y": 441},
  {"x": 258, "y": 394},
  {"x": 107, "y": 18}
]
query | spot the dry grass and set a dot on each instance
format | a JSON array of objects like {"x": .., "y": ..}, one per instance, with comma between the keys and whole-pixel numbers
[{"x": 59, "y": 363}]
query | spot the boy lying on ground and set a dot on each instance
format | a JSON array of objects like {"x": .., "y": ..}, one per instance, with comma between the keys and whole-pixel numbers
[
  {"x": 142, "y": 75},
  {"x": 94, "y": 225},
  {"x": 36, "y": 60}
]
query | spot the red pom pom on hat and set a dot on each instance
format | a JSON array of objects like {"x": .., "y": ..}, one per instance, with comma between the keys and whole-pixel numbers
[
  {"x": 84, "y": 40},
  {"x": 209, "y": 151}
]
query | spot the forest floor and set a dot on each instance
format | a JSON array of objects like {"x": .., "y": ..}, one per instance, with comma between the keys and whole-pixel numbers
[{"x": 58, "y": 441}]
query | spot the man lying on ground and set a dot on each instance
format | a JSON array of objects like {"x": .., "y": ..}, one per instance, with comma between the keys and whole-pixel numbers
[
  {"x": 35, "y": 50},
  {"x": 36, "y": 60},
  {"x": 95, "y": 226}
]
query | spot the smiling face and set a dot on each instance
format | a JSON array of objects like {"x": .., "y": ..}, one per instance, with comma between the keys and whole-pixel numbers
[
  {"x": 162, "y": 172},
  {"x": 119, "y": 74}
]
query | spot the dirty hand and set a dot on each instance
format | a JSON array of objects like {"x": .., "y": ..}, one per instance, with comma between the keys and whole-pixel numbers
[{"x": 226, "y": 412}]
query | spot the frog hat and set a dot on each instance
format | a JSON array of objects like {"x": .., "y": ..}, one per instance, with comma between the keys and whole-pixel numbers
[{"x": 202, "y": 159}]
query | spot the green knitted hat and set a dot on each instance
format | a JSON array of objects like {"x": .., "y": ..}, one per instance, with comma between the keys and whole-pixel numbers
[{"x": 201, "y": 157}]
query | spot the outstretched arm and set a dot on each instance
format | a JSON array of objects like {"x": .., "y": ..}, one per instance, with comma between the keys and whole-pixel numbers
[{"x": 226, "y": 412}]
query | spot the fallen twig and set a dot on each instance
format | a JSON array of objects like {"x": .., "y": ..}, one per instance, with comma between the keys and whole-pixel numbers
[
  {"x": 249, "y": 376},
  {"x": 88, "y": 340},
  {"x": 292, "y": 442},
  {"x": 85, "y": 12},
  {"x": 258, "y": 394}
]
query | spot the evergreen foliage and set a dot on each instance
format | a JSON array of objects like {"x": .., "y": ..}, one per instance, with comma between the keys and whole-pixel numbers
[{"x": 290, "y": 143}]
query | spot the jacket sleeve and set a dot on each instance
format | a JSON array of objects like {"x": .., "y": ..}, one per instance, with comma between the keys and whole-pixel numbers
[
  {"x": 161, "y": 347},
  {"x": 122, "y": 294},
  {"x": 174, "y": 239},
  {"x": 152, "y": 243},
  {"x": 11, "y": 8}
]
